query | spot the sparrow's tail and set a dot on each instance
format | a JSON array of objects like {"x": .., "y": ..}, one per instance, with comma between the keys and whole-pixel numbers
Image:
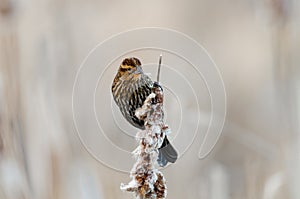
[{"x": 167, "y": 153}]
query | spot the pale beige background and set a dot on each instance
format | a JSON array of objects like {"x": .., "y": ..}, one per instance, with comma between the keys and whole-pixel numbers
[{"x": 254, "y": 43}]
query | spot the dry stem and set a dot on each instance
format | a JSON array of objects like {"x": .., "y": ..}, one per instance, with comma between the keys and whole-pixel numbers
[{"x": 147, "y": 182}]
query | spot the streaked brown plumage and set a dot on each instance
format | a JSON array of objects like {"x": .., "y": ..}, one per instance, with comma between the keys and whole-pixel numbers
[{"x": 130, "y": 89}]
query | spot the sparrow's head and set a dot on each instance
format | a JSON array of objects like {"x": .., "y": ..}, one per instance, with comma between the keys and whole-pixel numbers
[
  {"x": 130, "y": 69},
  {"x": 130, "y": 66}
]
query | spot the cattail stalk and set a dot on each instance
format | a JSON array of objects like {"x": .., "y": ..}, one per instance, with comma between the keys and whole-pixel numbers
[{"x": 147, "y": 181}]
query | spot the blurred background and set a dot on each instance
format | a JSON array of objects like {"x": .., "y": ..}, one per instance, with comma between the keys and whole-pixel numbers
[{"x": 255, "y": 44}]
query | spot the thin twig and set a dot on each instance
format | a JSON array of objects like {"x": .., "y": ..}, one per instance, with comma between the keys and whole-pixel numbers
[{"x": 159, "y": 66}]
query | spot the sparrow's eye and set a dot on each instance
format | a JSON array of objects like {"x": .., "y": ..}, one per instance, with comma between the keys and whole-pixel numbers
[{"x": 124, "y": 69}]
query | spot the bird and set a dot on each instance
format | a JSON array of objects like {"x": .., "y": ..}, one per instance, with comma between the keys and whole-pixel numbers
[{"x": 130, "y": 88}]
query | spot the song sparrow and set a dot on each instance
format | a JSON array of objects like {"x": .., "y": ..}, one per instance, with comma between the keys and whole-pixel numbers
[{"x": 130, "y": 89}]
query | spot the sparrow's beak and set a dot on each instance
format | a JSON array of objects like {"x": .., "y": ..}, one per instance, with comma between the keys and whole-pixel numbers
[{"x": 138, "y": 70}]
